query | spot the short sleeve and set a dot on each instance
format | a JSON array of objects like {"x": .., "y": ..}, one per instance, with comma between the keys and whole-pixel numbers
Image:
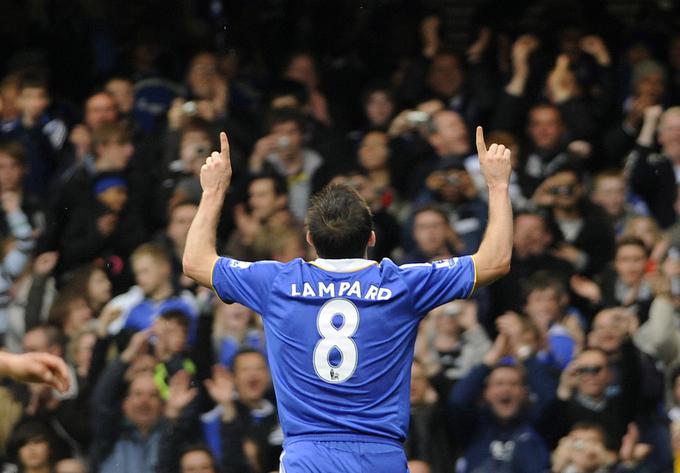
[
  {"x": 436, "y": 283},
  {"x": 243, "y": 282}
]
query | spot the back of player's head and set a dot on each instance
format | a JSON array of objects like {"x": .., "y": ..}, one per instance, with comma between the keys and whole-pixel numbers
[{"x": 339, "y": 222}]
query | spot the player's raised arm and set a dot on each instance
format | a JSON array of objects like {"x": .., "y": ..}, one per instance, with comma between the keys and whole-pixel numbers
[
  {"x": 200, "y": 253},
  {"x": 492, "y": 260}
]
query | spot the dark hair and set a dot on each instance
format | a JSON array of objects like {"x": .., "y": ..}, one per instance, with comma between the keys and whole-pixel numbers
[
  {"x": 675, "y": 375},
  {"x": 61, "y": 307},
  {"x": 431, "y": 208},
  {"x": 245, "y": 351},
  {"x": 542, "y": 280},
  {"x": 107, "y": 133},
  {"x": 199, "y": 447},
  {"x": 32, "y": 79},
  {"x": 549, "y": 105},
  {"x": 631, "y": 241},
  {"x": 26, "y": 432},
  {"x": 339, "y": 222},
  {"x": 285, "y": 115},
  {"x": 508, "y": 364},
  {"x": 286, "y": 87},
  {"x": 16, "y": 151},
  {"x": 197, "y": 124},
  {"x": 278, "y": 181},
  {"x": 177, "y": 316},
  {"x": 382, "y": 87},
  {"x": 78, "y": 280},
  {"x": 52, "y": 333}
]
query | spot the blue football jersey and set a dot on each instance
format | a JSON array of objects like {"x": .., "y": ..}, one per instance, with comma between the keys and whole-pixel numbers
[{"x": 340, "y": 335}]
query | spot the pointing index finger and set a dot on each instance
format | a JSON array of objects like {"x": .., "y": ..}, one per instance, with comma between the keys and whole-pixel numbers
[
  {"x": 481, "y": 145},
  {"x": 224, "y": 150}
]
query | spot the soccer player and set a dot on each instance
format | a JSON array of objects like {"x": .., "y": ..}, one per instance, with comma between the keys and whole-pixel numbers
[{"x": 340, "y": 330}]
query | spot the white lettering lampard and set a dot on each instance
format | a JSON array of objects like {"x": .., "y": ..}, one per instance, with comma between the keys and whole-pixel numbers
[{"x": 342, "y": 289}]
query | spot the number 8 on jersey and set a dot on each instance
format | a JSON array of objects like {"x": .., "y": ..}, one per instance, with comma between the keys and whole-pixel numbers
[{"x": 339, "y": 338}]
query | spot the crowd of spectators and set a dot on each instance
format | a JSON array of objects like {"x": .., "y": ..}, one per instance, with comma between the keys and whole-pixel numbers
[{"x": 570, "y": 364}]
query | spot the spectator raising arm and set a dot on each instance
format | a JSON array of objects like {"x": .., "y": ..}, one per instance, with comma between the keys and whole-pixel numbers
[
  {"x": 200, "y": 253},
  {"x": 492, "y": 260}
]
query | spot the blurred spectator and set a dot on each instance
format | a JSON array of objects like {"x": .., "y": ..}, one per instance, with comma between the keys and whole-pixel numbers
[
  {"x": 70, "y": 465},
  {"x": 243, "y": 429},
  {"x": 127, "y": 421},
  {"x": 31, "y": 446},
  {"x": 532, "y": 251},
  {"x": 378, "y": 110},
  {"x": 451, "y": 187},
  {"x": 583, "y": 236},
  {"x": 9, "y": 90},
  {"x": 235, "y": 327},
  {"x": 100, "y": 108},
  {"x": 584, "y": 450},
  {"x": 69, "y": 312},
  {"x": 450, "y": 342},
  {"x": 433, "y": 237},
  {"x": 171, "y": 332},
  {"x": 14, "y": 252},
  {"x": 652, "y": 175},
  {"x": 428, "y": 440},
  {"x": 647, "y": 230},
  {"x": 625, "y": 285},
  {"x": 13, "y": 170},
  {"x": 381, "y": 202},
  {"x": 108, "y": 228},
  {"x": 582, "y": 397},
  {"x": 113, "y": 149},
  {"x": 560, "y": 333},
  {"x": 302, "y": 68},
  {"x": 92, "y": 283},
  {"x": 173, "y": 239},
  {"x": 611, "y": 194},
  {"x": 121, "y": 89},
  {"x": 41, "y": 135},
  {"x": 499, "y": 434},
  {"x": 267, "y": 208},
  {"x": 282, "y": 151},
  {"x": 153, "y": 295}
]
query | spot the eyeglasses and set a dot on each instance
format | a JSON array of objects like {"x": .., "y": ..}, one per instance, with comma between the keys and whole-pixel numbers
[{"x": 593, "y": 370}]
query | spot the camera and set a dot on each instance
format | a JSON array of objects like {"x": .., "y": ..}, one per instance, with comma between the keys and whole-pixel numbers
[
  {"x": 283, "y": 142},
  {"x": 189, "y": 108},
  {"x": 418, "y": 118}
]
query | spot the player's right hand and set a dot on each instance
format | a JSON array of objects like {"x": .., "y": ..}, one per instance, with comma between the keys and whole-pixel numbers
[
  {"x": 38, "y": 368},
  {"x": 494, "y": 162},
  {"x": 216, "y": 172}
]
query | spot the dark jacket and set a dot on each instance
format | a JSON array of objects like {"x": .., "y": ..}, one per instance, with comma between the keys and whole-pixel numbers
[{"x": 492, "y": 445}]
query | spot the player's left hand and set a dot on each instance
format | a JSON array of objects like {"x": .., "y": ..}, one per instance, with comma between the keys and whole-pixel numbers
[
  {"x": 494, "y": 162},
  {"x": 38, "y": 368},
  {"x": 216, "y": 172}
]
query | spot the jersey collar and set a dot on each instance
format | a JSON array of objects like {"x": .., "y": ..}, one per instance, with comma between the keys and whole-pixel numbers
[{"x": 343, "y": 265}]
